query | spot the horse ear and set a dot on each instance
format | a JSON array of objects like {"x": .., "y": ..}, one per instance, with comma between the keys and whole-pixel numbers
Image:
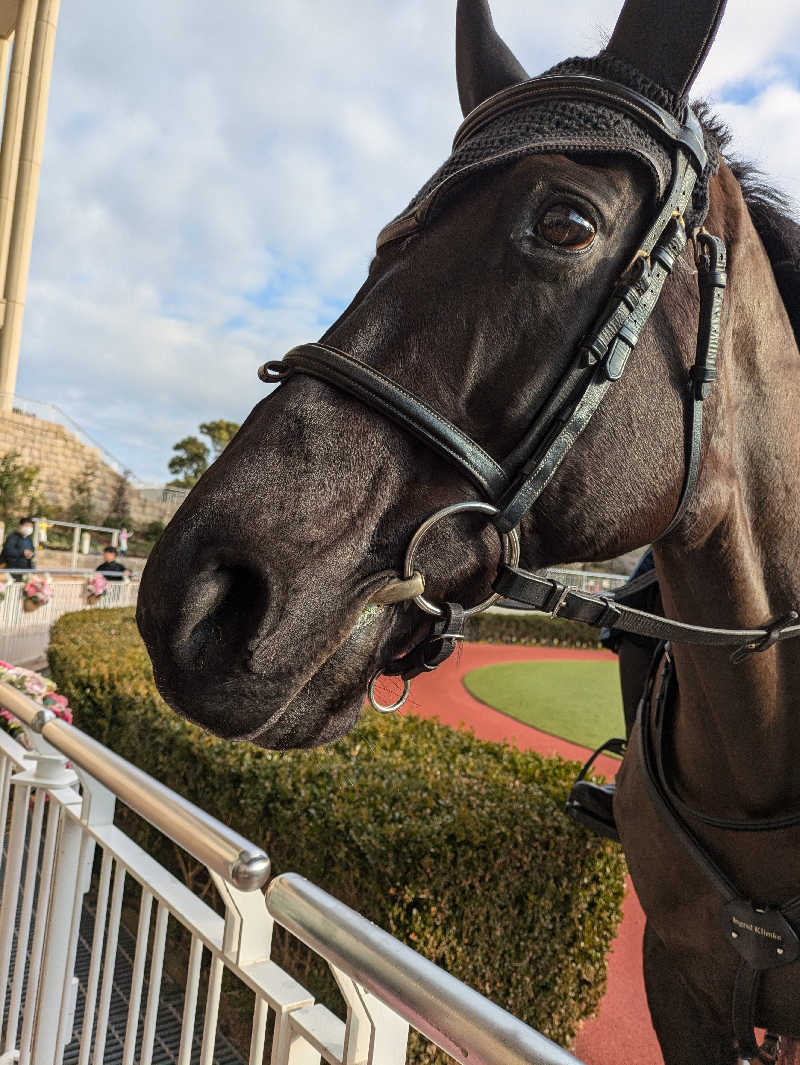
[
  {"x": 484, "y": 62},
  {"x": 667, "y": 40}
]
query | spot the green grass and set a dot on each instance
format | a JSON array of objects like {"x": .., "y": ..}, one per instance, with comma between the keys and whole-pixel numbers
[{"x": 578, "y": 701}]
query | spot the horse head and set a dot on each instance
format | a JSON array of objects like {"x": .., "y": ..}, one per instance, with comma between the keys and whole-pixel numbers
[{"x": 477, "y": 307}]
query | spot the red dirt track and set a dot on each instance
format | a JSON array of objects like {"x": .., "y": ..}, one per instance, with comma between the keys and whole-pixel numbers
[{"x": 621, "y": 1033}]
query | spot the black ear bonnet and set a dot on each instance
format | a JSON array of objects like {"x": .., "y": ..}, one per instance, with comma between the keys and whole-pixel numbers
[{"x": 521, "y": 123}]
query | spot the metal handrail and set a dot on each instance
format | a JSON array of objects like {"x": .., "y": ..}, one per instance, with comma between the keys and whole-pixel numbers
[
  {"x": 456, "y": 1018},
  {"x": 218, "y": 847}
]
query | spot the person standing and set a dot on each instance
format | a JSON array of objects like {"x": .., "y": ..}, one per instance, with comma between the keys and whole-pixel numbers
[
  {"x": 124, "y": 535},
  {"x": 18, "y": 549}
]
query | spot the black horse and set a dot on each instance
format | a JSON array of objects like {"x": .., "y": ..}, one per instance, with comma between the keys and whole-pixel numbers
[{"x": 578, "y": 230}]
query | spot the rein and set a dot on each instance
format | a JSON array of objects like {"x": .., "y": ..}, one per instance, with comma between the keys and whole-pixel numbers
[{"x": 509, "y": 489}]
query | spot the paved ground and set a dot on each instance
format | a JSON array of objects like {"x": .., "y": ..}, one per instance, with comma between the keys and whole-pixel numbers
[{"x": 621, "y": 1033}]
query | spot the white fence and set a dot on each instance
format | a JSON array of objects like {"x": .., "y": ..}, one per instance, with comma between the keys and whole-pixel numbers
[
  {"x": 24, "y": 637},
  {"x": 68, "y": 872}
]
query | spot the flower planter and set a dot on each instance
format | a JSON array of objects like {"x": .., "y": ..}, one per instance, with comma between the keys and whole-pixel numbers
[
  {"x": 93, "y": 600},
  {"x": 29, "y": 606}
]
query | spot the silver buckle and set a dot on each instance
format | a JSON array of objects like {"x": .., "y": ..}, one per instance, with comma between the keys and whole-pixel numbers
[{"x": 561, "y": 600}]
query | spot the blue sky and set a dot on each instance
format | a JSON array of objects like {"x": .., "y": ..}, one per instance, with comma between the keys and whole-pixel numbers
[{"x": 214, "y": 177}]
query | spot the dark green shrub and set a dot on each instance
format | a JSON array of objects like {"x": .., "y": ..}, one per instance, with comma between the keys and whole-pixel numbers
[
  {"x": 456, "y": 846},
  {"x": 534, "y": 630}
]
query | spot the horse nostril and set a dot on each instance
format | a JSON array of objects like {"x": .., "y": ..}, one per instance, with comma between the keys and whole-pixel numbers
[{"x": 224, "y": 607}]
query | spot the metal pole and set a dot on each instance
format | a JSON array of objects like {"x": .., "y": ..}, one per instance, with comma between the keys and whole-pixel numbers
[
  {"x": 76, "y": 536},
  {"x": 456, "y": 1018},
  {"x": 27, "y": 188},
  {"x": 218, "y": 847}
]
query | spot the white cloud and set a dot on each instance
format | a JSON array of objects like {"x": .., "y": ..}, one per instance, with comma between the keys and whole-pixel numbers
[{"x": 215, "y": 175}]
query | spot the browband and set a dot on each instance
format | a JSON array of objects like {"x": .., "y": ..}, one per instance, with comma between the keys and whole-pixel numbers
[{"x": 689, "y": 134}]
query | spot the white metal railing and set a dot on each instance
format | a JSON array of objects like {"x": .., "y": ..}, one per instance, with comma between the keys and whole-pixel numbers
[
  {"x": 57, "y": 805},
  {"x": 585, "y": 580},
  {"x": 24, "y": 636}
]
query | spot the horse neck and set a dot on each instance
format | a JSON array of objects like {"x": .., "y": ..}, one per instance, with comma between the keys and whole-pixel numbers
[{"x": 736, "y": 735}]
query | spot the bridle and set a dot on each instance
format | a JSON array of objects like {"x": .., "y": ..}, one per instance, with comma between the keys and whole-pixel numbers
[{"x": 509, "y": 489}]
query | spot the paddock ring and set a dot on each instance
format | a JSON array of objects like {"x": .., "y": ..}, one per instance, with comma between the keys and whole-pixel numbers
[
  {"x": 509, "y": 540},
  {"x": 373, "y": 699}
]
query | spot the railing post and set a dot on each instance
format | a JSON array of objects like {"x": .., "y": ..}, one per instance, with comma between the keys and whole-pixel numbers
[
  {"x": 54, "y": 1001},
  {"x": 11, "y": 875},
  {"x": 358, "y": 1026},
  {"x": 50, "y": 773},
  {"x": 389, "y": 1044}
]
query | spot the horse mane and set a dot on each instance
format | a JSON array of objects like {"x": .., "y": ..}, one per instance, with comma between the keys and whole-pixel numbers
[{"x": 772, "y": 212}]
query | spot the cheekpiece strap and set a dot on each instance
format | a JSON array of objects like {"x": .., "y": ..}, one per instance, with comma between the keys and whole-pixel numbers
[{"x": 607, "y": 347}]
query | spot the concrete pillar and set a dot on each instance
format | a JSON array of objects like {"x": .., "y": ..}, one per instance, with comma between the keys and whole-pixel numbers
[
  {"x": 12, "y": 123},
  {"x": 27, "y": 188}
]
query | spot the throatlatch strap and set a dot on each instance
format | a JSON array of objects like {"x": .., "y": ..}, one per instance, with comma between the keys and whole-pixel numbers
[{"x": 712, "y": 278}]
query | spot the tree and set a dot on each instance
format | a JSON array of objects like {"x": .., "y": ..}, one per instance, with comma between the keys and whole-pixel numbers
[
  {"x": 17, "y": 487},
  {"x": 190, "y": 461},
  {"x": 192, "y": 456},
  {"x": 220, "y": 433},
  {"x": 81, "y": 495},
  {"x": 120, "y": 512}
]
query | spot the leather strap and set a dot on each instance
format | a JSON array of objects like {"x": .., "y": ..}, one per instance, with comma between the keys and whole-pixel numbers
[
  {"x": 590, "y": 87},
  {"x": 608, "y": 347},
  {"x": 380, "y": 393},
  {"x": 651, "y": 714},
  {"x": 712, "y": 278},
  {"x": 551, "y": 596},
  {"x": 436, "y": 648},
  {"x": 652, "y": 704},
  {"x": 743, "y": 1010}
]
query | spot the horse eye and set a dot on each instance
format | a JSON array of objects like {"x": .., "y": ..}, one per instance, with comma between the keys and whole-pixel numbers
[{"x": 563, "y": 227}]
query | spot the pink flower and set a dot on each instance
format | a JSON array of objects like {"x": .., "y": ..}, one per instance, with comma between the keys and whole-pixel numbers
[
  {"x": 5, "y": 665},
  {"x": 36, "y": 685}
]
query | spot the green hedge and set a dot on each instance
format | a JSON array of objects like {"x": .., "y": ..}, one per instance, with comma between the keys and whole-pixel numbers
[
  {"x": 456, "y": 846},
  {"x": 531, "y": 629}
]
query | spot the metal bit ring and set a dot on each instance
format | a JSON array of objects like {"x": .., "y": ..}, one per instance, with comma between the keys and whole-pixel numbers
[
  {"x": 390, "y": 708},
  {"x": 509, "y": 540}
]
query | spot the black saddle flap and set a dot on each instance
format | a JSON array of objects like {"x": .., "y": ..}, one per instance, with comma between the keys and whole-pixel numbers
[{"x": 764, "y": 938}]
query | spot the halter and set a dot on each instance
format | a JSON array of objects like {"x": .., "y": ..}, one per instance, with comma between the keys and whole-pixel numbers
[{"x": 509, "y": 489}]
